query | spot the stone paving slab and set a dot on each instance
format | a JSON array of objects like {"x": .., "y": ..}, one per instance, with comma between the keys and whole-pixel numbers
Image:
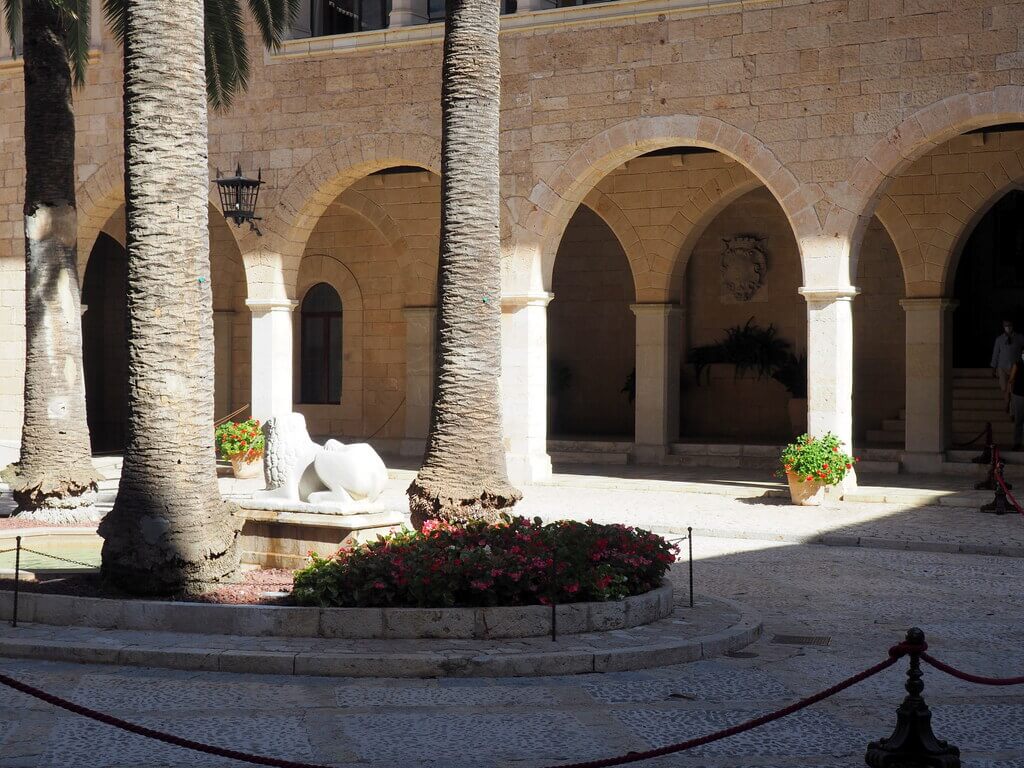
[
  {"x": 712, "y": 627},
  {"x": 861, "y": 599}
]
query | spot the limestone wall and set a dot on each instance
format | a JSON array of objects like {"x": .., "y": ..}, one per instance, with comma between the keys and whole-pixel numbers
[{"x": 831, "y": 105}]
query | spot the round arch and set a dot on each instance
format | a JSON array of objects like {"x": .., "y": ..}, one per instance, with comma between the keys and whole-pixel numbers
[
  {"x": 554, "y": 199},
  {"x": 313, "y": 188},
  {"x": 717, "y": 194},
  {"x": 620, "y": 225},
  {"x": 98, "y": 198},
  {"x": 324, "y": 268},
  {"x": 855, "y": 200}
]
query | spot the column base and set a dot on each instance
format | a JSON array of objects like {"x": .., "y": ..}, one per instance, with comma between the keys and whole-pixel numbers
[
  {"x": 648, "y": 454},
  {"x": 923, "y": 462},
  {"x": 526, "y": 469}
]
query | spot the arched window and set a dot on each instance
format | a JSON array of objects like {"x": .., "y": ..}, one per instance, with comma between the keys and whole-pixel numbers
[{"x": 321, "y": 345}]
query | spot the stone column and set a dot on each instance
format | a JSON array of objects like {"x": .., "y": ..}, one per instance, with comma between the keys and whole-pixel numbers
[
  {"x": 405, "y": 13},
  {"x": 830, "y": 363},
  {"x": 524, "y": 387},
  {"x": 658, "y": 349},
  {"x": 535, "y": 5},
  {"x": 929, "y": 381},
  {"x": 420, "y": 345},
  {"x": 271, "y": 356}
]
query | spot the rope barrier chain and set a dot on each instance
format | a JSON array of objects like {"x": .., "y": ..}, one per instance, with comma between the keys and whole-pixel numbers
[{"x": 895, "y": 653}]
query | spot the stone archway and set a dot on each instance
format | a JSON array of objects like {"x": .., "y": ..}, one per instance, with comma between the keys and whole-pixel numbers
[
  {"x": 272, "y": 268},
  {"x": 555, "y": 198}
]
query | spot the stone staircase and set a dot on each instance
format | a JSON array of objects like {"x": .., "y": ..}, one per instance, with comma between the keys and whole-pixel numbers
[
  {"x": 976, "y": 400},
  {"x": 586, "y": 451}
]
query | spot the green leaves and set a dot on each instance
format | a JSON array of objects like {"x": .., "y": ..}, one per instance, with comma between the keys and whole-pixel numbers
[
  {"x": 514, "y": 562},
  {"x": 818, "y": 460},
  {"x": 227, "y": 52},
  {"x": 75, "y": 16}
]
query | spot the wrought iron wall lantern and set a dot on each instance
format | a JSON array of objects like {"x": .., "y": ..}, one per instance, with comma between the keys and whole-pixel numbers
[{"x": 238, "y": 196}]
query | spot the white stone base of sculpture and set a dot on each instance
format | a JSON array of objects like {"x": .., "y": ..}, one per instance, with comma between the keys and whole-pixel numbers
[{"x": 359, "y": 511}]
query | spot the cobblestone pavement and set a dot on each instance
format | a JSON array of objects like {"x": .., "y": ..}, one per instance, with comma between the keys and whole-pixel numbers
[{"x": 862, "y": 599}]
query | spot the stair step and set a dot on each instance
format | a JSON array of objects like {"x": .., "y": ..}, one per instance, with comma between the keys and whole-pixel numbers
[
  {"x": 972, "y": 373},
  {"x": 881, "y": 454},
  {"x": 589, "y": 457},
  {"x": 881, "y": 436},
  {"x": 894, "y": 425},
  {"x": 878, "y": 467}
]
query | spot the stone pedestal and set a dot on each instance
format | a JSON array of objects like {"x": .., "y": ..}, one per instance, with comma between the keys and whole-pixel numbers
[
  {"x": 405, "y": 13},
  {"x": 830, "y": 364},
  {"x": 271, "y": 356},
  {"x": 280, "y": 539},
  {"x": 524, "y": 361},
  {"x": 658, "y": 349},
  {"x": 420, "y": 343},
  {"x": 929, "y": 381}
]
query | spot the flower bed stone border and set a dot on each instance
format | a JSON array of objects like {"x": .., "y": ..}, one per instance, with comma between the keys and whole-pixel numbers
[{"x": 345, "y": 623}]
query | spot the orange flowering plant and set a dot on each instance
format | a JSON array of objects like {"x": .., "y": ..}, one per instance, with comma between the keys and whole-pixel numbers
[
  {"x": 240, "y": 438},
  {"x": 819, "y": 460}
]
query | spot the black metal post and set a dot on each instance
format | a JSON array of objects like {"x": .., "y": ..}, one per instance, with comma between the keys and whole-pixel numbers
[
  {"x": 998, "y": 505},
  {"x": 689, "y": 541},
  {"x": 554, "y": 613},
  {"x": 912, "y": 744},
  {"x": 17, "y": 574}
]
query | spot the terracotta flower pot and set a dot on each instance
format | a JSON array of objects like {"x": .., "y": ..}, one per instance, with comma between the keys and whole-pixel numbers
[
  {"x": 805, "y": 494},
  {"x": 246, "y": 469}
]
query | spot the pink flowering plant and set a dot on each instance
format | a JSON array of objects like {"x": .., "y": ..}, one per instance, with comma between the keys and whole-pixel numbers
[
  {"x": 819, "y": 460},
  {"x": 240, "y": 438},
  {"x": 514, "y": 562}
]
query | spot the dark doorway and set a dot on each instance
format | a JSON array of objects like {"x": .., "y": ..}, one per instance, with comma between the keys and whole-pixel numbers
[
  {"x": 989, "y": 282},
  {"x": 104, "y": 344}
]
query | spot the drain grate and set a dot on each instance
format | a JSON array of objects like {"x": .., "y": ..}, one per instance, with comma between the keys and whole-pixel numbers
[{"x": 801, "y": 639}]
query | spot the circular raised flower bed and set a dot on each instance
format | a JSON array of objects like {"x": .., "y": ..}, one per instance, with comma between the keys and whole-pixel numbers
[{"x": 480, "y": 623}]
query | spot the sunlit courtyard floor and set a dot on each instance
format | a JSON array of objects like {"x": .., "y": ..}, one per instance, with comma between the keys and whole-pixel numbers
[{"x": 860, "y": 599}]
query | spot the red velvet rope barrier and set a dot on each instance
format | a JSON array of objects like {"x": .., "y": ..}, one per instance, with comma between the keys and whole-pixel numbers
[
  {"x": 1002, "y": 483},
  {"x": 968, "y": 677},
  {"x": 895, "y": 653}
]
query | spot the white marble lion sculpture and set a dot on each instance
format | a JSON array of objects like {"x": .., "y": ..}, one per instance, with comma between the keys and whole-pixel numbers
[{"x": 298, "y": 469}]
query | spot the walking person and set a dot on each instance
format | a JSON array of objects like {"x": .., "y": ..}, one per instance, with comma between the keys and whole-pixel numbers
[
  {"x": 1005, "y": 354},
  {"x": 1015, "y": 400}
]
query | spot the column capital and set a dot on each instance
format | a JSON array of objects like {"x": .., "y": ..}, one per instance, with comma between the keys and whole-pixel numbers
[
  {"x": 829, "y": 295},
  {"x": 666, "y": 310},
  {"x": 515, "y": 302},
  {"x": 929, "y": 304},
  {"x": 271, "y": 305}
]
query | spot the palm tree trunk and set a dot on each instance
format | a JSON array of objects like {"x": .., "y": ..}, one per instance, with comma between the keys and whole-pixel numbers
[
  {"x": 55, "y": 476},
  {"x": 463, "y": 474},
  {"x": 169, "y": 529}
]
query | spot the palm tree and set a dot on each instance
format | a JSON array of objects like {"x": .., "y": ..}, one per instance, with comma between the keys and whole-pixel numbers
[
  {"x": 54, "y": 479},
  {"x": 463, "y": 474},
  {"x": 170, "y": 530}
]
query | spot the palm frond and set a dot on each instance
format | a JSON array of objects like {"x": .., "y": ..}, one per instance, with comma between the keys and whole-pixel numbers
[
  {"x": 273, "y": 19},
  {"x": 78, "y": 34},
  {"x": 227, "y": 54},
  {"x": 116, "y": 14},
  {"x": 12, "y": 18}
]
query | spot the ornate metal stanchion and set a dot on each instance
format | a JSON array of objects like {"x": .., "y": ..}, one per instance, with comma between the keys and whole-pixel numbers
[
  {"x": 912, "y": 744},
  {"x": 996, "y": 481}
]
